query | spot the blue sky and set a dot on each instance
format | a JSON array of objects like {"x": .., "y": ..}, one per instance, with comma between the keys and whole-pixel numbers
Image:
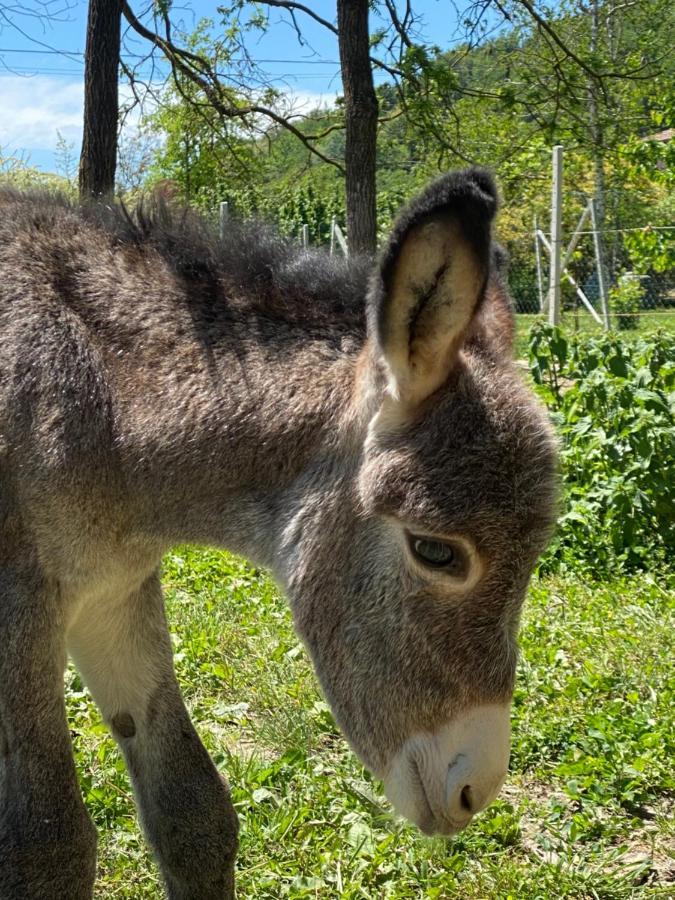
[{"x": 41, "y": 90}]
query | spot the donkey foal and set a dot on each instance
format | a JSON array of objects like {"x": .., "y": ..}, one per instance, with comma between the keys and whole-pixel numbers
[{"x": 358, "y": 428}]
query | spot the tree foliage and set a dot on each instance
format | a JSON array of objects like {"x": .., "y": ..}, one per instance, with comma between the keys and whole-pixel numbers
[{"x": 501, "y": 98}]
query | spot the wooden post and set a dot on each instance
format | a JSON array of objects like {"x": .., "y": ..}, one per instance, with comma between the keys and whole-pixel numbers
[
  {"x": 556, "y": 237},
  {"x": 305, "y": 237}
]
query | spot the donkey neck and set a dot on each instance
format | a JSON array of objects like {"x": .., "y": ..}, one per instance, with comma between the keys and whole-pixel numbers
[{"x": 226, "y": 428}]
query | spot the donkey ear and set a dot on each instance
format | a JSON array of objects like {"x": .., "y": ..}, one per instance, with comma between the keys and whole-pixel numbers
[{"x": 430, "y": 282}]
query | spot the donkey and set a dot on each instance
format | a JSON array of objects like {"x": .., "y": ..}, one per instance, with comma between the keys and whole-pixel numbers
[{"x": 356, "y": 427}]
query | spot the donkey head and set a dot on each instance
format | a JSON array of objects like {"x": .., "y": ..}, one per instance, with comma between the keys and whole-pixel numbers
[{"x": 412, "y": 548}]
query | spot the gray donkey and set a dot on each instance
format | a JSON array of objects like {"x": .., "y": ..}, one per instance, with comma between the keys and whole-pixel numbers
[{"x": 358, "y": 428}]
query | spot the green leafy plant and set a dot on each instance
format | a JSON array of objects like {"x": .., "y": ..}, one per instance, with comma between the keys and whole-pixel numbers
[
  {"x": 624, "y": 302},
  {"x": 612, "y": 401}
]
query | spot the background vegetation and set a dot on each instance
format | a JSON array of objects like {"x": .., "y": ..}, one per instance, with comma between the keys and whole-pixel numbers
[
  {"x": 502, "y": 97},
  {"x": 597, "y": 76}
]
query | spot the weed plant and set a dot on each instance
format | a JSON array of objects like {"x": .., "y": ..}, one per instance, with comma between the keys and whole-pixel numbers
[{"x": 613, "y": 402}]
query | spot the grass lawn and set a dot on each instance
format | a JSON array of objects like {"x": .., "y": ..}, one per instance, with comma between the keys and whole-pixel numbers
[
  {"x": 587, "y": 810},
  {"x": 647, "y": 321}
]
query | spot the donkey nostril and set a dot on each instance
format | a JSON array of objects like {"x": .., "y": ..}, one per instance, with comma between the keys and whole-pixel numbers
[{"x": 465, "y": 799}]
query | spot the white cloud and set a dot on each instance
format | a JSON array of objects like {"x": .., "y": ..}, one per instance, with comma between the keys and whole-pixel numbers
[
  {"x": 306, "y": 101},
  {"x": 33, "y": 109}
]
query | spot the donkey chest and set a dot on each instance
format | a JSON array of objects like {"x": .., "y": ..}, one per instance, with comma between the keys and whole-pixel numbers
[
  {"x": 100, "y": 599},
  {"x": 101, "y": 577}
]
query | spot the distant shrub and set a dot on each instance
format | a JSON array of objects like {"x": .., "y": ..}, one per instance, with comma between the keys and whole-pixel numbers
[
  {"x": 613, "y": 402},
  {"x": 625, "y": 301}
]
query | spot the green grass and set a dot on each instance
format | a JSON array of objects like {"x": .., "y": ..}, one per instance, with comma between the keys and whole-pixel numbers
[
  {"x": 581, "y": 321},
  {"x": 587, "y": 810}
]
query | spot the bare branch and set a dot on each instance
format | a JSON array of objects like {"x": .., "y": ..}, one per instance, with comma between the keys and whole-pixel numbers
[
  {"x": 402, "y": 28},
  {"x": 555, "y": 37},
  {"x": 291, "y": 6},
  {"x": 199, "y": 71}
]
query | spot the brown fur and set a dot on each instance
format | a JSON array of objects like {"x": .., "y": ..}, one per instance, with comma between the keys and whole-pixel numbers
[{"x": 158, "y": 385}]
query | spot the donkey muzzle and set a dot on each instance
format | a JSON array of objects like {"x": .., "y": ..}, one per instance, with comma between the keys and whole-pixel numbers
[{"x": 440, "y": 781}]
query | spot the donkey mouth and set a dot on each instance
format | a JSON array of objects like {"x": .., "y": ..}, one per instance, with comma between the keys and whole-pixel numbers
[{"x": 429, "y": 822}]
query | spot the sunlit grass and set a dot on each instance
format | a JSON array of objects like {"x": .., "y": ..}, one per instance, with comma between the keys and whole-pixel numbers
[
  {"x": 580, "y": 321},
  {"x": 587, "y": 811}
]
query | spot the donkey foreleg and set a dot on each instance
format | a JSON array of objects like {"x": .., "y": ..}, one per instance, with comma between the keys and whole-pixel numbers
[
  {"x": 47, "y": 841},
  {"x": 124, "y": 654}
]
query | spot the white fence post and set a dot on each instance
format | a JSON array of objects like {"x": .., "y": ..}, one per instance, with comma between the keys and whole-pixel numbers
[
  {"x": 556, "y": 237},
  {"x": 599, "y": 262},
  {"x": 333, "y": 224},
  {"x": 305, "y": 236},
  {"x": 574, "y": 240},
  {"x": 337, "y": 238},
  {"x": 584, "y": 299},
  {"x": 224, "y": 216},
  {"x": 540, "y": 271}
]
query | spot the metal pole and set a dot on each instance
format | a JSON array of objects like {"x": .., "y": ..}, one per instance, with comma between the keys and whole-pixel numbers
[
  {"x": 224, "y": 216},
  {"x": 571, "y": 247},
  {"x": 584, "y": 299},
  {"x": 556, "y": 237},
  {"x": 540, "y": 273},
  {"x": 333, "y": 223},
  {"x": 600, "y": 266},
  {"x": 305, "y": 236}
]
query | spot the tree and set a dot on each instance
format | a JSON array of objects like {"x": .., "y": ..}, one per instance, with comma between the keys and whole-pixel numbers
[
  {"x": 599, "y": 95},
  {"x": 557, "y": 65},
  {"x": 361, "y": 123},
  {"x": 408, "y": 65},
  {"x": 101, "y": 65}
]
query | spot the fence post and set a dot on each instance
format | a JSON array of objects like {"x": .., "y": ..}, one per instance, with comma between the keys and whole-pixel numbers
[
  {"x": 305, "y": 236},
  {"x": 540, "y": 272},
  {"x": 576, "y": 235},
  {"x": 600, "y": 265},
  {"x": 333, "y": 223},
  {"x": 224, "y": 216},
  {"x": 556, "y": 237}
]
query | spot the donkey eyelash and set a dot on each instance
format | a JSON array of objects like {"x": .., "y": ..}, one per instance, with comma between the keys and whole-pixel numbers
[{"x": 450, "y": 557}]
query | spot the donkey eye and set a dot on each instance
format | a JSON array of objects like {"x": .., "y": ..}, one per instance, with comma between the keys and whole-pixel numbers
[
  {"x": 433, "y": 553},
  {"x": 438, "y": 554}
]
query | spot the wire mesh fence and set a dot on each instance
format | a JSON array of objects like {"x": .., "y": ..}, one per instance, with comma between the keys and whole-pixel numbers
[{"x": 634, "y": 299}]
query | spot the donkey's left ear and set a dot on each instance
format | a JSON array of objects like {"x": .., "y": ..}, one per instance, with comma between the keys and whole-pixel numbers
[{"x": 430, "y": 282}]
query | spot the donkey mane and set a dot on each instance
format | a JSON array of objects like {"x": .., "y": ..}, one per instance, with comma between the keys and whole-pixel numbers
[{"x": 306, "y": 288}]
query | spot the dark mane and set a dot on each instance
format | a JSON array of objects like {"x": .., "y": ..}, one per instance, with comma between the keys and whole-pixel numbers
[{"x": 270, "y": 272}]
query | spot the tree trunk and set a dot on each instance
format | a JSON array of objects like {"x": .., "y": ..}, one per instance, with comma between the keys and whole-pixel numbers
[
  {"x": 361, "y": 124},
  {"x": 101, "y": 64},
  {"x": 598, "y": 145}
]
